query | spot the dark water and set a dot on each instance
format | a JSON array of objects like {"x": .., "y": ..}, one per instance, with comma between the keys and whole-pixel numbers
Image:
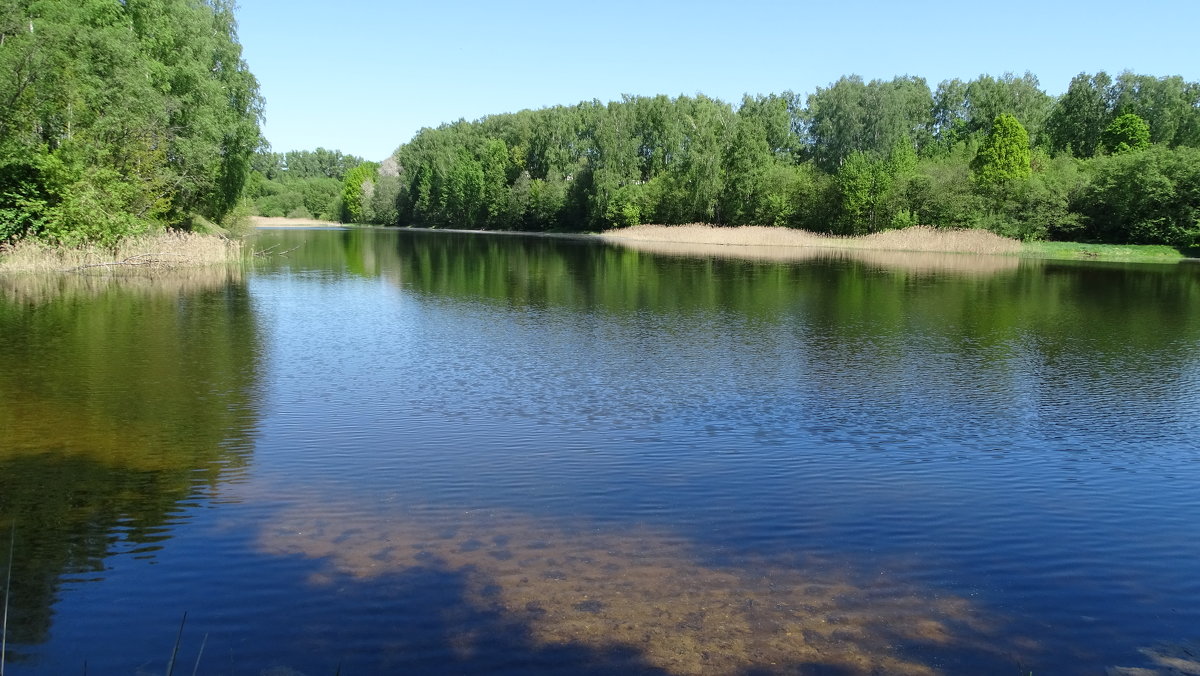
[{"x": 397, "y": 452}]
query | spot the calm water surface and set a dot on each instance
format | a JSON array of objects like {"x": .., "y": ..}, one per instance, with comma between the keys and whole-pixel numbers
[{"x": 407, "y": 452}]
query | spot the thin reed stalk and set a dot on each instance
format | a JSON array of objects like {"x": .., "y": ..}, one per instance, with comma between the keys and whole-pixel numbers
[
  {"x": 12, "y": 546},
  {"x": 200, "y": 654},
  {"x": 175, "y": 650}
]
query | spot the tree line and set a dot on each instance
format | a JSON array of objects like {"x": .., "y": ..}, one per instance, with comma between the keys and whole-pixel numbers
[
  {"x": 116, "y": 117},
  {"x": 1111, "y": 160},
  {"x": 302, "y": 183}
]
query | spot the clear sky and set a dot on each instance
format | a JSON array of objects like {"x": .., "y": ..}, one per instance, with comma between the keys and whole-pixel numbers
[{"x": 363, "y": 76}]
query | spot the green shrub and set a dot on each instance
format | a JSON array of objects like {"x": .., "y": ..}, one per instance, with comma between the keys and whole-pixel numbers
[{"x": 1149, "y": 196}]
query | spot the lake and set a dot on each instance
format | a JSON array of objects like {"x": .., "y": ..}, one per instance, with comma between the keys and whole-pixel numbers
[{"x": 411, "y": 452}]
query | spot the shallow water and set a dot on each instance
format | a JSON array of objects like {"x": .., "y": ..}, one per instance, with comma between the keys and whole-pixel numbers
[{"x": 421, "y": 452}]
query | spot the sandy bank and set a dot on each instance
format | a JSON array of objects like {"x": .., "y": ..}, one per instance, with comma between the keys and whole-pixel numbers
[
  {"x": 920, "y": 238},
  {"x": 277, "y": 222}
]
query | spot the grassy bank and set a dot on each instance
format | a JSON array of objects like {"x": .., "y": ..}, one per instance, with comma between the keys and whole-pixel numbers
[
  {"x": 915, "y": 239},
  {"x": 146, "y": 253},
  {"x": 1139, "y": 253}
]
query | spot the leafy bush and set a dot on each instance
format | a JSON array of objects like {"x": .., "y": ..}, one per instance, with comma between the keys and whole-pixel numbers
[
  {"x": 1149, "y": 196},
  {"x": 1127, "y": 132}
]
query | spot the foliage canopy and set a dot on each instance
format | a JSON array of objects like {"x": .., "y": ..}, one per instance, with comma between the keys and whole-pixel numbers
[
  {"x": 120, "y": 116},
  {"x": 1004, "y": 156},
  {"x": 1127, "y": 132}
]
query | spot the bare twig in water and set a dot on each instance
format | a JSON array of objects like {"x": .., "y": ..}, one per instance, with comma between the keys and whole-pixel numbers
[
  {"x": 268, "y": 251},
  {"x": 133, "y": 261}
]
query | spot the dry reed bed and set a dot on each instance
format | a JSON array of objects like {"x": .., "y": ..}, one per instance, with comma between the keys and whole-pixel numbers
[
  {"x": 35, "y": 289},
  {"x": 918, "y": 238},
  {"x": 915, "y": 262},
  {"x": 145, "y": 253}
]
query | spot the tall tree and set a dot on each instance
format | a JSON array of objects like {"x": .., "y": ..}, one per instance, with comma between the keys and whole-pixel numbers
[
  {"x": 747, "y": 159},
  {"x": 1080, "y": 115},
  {"x": 1004, "y": 157},
  {"x": 1127, "y": 132},
  {"x": 1167, "y": 104},
  {"x": 965, "y": 111},
  {"x": 870, "y": 117},
  {"x": 355, "y": 190},
  {"x": 616, "y": 162},
  {"x": 695, "y": 182},
  {"x": 1021, "y": 97}
]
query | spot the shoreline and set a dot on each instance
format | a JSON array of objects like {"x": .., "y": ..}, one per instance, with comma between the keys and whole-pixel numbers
[
  {"x": 281, "y": 222},
  {"x": 914, "y": 239},
  {"x": 778, "y": 243}
]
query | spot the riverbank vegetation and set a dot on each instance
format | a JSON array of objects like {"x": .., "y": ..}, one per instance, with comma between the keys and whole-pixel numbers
[
  {"x": 122, "y": 118},
  {"x": 1113, "y": 160}
]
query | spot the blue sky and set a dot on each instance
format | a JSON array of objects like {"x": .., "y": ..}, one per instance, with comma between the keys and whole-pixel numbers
[{"x": 364, "y": 76}]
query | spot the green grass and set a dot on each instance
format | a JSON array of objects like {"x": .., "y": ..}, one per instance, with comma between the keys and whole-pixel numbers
[{"x": 1076, "y": 251}]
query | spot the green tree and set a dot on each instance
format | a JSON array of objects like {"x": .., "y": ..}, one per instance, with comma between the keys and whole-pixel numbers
[
  {"x": 871, "y": 190},
  {"x": 464, "y": 193},
  {"x": 863, "y": 156},
  {"x": 1004, "y": 157},
  {"x": 1127, "y": 132},
  {"x": 863, "y": 183},
  {"x": 319, "y": 163},
  {"x": 690, "y": 187},
  {"x": 384, "y": 198},
  {"x": 747, "y": 159},
  {"x": 1021, "y": 97},
  {"x": 495, "y": 165},
  {"x": 117, "y": 117},
  {"x": 870, "y": 117},
  {"x": 615, "y": 164},
  {"x": 353, "y": 207},
  {"x": 320, "y": 196},
  {"x": 965, "y": 111},
  {"x": 941, "y": 191},
  {"x": 1167, "y": 104},
  {"x": 1080, "y": 115}
]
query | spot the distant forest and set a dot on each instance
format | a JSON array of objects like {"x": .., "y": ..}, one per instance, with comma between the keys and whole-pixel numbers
[
  {"x": 1111, "y": 160},
  {"x": 120, "y": 117}
]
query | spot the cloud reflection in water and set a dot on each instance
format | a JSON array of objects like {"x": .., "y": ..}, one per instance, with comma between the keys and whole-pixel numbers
[{"x": 645, "y": 590}]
